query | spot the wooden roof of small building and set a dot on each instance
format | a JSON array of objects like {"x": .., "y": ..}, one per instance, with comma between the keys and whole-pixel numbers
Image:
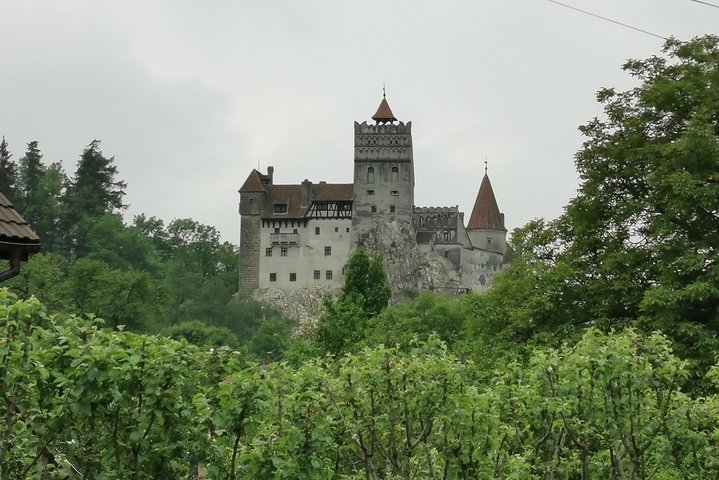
[{"x": 15, "y": 233}]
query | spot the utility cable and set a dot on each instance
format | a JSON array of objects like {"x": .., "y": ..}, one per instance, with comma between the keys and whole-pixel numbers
[
  {"x": 705, "y": 3},
  {"x": 609, "y": 19}
]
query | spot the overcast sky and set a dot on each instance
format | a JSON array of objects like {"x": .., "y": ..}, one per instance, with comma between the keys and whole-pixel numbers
[{"x": 190, "y": 95}]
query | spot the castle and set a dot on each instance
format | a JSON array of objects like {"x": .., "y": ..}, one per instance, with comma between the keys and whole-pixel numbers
[{"x": 295, "y": 237}]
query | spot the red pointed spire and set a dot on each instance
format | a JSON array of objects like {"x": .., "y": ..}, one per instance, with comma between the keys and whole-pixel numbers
[
  {"x": 485, "y": 214},
  {"x": 384, "y": 113}
]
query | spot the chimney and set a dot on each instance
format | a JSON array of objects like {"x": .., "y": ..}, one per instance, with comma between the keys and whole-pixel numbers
[
  {"x": 306, "y": 193},
  {"x": 270, "y": 173}
]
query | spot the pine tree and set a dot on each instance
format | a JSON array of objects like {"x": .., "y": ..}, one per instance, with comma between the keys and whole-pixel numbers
[
  {"x": 39, "y": 194},
  {"x": 94, "y": 191},
  {"x": 8, "y": 172},
  {"x": 30, "y": 174}
]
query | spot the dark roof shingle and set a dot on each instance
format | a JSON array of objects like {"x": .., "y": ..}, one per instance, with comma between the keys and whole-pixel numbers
[{"x": 13, "y": 228}]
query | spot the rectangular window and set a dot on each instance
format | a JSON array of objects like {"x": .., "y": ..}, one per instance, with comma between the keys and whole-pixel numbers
[
  {"x": 391, "y": 209},
  {"x": 294, "y": 230},
  {"x": 328, "y": 251},
  {"x": 394, "y": 193},
  {"x": 279, "y": 208},
  {"x": 348, "y": 229},
  {"x": 370, "y": 192},
  {"x": 277, "y": 230},
  {"x": 283, "y": 251},
  {"x": 446, "y": 254},
  {"x": 317, "y": 274},
  {"x": 268, "y": 252},
  {"x": 337, "y": 229},
  {"x": 293, "y": 277},
  {"x": 317, "y": 230},
  {"x": 273, "y": 277},
  {"x": 328, "y": 274},
  {"x": 374, "y": 208}
]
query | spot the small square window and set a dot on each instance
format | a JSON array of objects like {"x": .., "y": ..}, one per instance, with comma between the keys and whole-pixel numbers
[
  {"x": 294, "y": 230},
  {"x": 328, "y": 274},
  {"x": 328, "y": 251},
  {"x": 391, "y": 209},
  {"x": 293, "y": 277},
  {"x": 374, "y": 208},
  {"x": 317, "y": 274},
  {"x": 277, "y": 230},
  {"x": 337, "y": 229},
  {"x": 273, "y": 277},
  {"x": 268, "y": 252},
  {"x": 370, "y": 192},
  {"x": 283, "y": 251},
  {"x": 317, "y": 230}
]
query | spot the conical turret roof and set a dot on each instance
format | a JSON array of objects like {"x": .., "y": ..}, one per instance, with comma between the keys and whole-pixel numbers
[
  {"x": 485, "y": 214},
  {"x": 384, "y": 113}
]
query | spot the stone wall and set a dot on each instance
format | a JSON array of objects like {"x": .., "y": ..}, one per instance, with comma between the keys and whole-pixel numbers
[
  {"x": 249, "y": 254},
  {"x": 305, "y": 306}
]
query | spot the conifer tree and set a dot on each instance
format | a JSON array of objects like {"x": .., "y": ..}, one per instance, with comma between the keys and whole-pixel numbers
[
  {"x": 92, "y": 193},
  {"x": 8, "y": 172},
  {"x": 39, "y": 194},
  {"x": 94, "y": 190},
  {"x": 30, "y": 174}
]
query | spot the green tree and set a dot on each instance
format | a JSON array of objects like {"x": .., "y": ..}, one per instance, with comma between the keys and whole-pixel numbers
[
  {"x": 365, "y": 276},
  {"x": 93, "y": 192},
  {"x": 8, "y": 172},
  {"x": 30, "y": 173},
  {"x": 642, "y": 227}
]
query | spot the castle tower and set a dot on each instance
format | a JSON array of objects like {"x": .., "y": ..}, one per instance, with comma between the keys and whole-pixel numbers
[
  {"x": 383, "y": 189},
  {"x": 252, "y": 205},
  {"x": 486, "y": 224}
]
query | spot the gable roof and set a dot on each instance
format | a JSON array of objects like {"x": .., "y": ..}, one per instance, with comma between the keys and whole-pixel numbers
[
  {"x": 291, "y": 195},
  {"x": 384, "y": 113},
  {"x": 253, "y": 183},
  {"x": 485, "y": 214}
]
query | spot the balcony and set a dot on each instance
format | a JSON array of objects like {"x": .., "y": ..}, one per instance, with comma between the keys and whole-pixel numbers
[{"x": 284, "y": 238}]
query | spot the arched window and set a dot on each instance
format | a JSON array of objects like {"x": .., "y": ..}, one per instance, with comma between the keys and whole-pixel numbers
[{"x": 370, "y": 175}]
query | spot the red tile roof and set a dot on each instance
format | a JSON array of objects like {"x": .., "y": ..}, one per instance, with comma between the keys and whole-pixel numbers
[
  {"x": 485, "y": 214},
  {"x": 292, "y": 196},
  {"x": 384, "y": 113},
  {"x": 253, "y": 183}
]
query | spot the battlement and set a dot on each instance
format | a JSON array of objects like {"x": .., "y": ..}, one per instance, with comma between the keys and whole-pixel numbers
[
  {"x": 427, "y": 210},
  {"x": 386, "y": 128}
]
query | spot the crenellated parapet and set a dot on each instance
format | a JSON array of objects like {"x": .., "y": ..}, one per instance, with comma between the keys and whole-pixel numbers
[{"x": 384, "y": 128}]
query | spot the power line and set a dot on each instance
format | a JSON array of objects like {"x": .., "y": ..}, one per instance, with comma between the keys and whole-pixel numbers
[
  {"x": 610, "y": 20},
  {"x": 705, "y": 3}
]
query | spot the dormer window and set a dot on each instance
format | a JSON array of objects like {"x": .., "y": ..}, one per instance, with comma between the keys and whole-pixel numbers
[{"x": 279, "y": 208}]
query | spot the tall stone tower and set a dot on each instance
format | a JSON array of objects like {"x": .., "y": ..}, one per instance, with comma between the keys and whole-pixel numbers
[
  {"x": 383, "y": 188},
  {"x": 252, "y": 204}
]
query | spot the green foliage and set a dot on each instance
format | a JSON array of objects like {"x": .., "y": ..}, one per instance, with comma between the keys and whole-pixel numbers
[
  {"x": 365, "y": 294},
  {"x": 79, "y": 399},
  {"x": 8, "y": 172},
  {"x": 365, "y": 276},
  {"x": 201, "y": 334}
]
